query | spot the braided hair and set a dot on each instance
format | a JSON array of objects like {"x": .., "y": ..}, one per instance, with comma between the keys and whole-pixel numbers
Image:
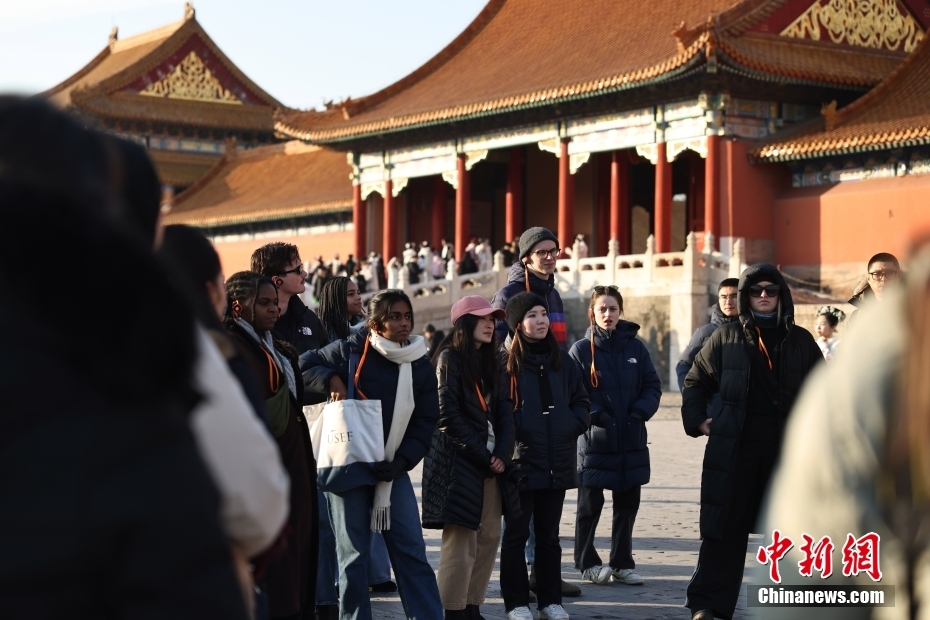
[
  {"x": 334, "y": 309},
  {"x": 243, "y": 287}
]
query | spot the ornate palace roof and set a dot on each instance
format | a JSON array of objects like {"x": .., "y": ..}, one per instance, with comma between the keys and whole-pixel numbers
[
  {"x": 175, "y": 75},
  {"x": 532, "y": 53},
  {"x": 266, "y": 183},
  {"x": 895, "y": 114}
]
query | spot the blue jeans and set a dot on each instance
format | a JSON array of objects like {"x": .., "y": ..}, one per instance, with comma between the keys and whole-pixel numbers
[
  {"x": 379, "y": 564},
  {"x": 350, "y": 516}
]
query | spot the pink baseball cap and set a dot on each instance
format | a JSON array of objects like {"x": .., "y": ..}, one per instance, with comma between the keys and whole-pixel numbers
[{"x": 477, "y": 305}]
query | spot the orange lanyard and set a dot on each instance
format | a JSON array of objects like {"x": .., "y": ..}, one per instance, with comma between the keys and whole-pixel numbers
[
  {"x": 484, "y": 404},
  {"x": 593, "y": 371},
  {"x": 514, "y": 392},
  {"x": 358, "y": 371},
  {"x": 274, "y": 375},
  {"x": 762, "y": 348}
]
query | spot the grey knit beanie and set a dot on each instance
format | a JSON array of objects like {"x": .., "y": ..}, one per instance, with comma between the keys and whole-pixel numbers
[
  {"x": 532, "y": 236},
  {"x": 519, "y": 305}
]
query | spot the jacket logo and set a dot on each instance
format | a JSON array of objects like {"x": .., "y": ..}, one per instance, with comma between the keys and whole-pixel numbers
[
  {"x": 306, "y": 331},
  {"x": 632, "y": 360}
]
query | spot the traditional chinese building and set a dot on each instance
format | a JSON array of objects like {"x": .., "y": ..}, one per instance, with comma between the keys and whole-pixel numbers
[
  {"x": 597, "y": 117},
  {"x": 289, "y": 192},
  {"x": 174, "y": 91}
]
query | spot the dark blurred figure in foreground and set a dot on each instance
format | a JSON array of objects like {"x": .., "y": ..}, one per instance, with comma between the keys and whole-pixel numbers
[
  {"x": 857, "y": 461},
  {"x": 108, "y": 508}
]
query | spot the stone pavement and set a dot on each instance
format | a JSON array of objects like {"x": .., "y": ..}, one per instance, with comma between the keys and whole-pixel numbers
[{"x": 665, "y": 539}]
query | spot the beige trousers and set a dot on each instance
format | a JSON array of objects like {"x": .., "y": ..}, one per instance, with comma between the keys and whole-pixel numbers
[{"x": 466, "y": 558}]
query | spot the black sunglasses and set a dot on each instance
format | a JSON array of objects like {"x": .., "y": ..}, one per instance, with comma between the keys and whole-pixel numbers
[
  {"x": 771, "y": 290},
  {"x": 296, "y": 270}
]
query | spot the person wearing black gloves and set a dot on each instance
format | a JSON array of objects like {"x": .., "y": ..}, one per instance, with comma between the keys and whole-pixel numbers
[
  {"x": 757, "y": 365},
  {"x": 471, "y": 448},
  {"x": 551, "y": 410},
  {"x": 391, "y": 367}
]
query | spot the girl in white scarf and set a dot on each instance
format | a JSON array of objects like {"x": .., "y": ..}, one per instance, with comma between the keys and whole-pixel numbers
[{"x": 388, "y": 365}]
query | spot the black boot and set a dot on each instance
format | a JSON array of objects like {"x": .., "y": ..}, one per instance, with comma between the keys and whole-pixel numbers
[
  {"x": 472, "y": 613},
  {"x": 455, "y": 614},
  {"x": 327, "y": 612}
]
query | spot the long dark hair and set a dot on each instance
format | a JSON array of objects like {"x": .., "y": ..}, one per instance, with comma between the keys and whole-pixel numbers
[
  {"x": 516, "y": 360},
  {"x": 334, "y": 309},
  {"x": 481, "y": 364},
  {"x": 191, "y": 256},
  {"x": 379, "y": 306}
]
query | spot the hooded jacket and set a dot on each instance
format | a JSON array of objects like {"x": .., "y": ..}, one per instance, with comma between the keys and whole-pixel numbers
[
  {"x": 722, "y": 367},
  {"x": 458, "y": 461},
  {"x": 378, "y": 380},
  {"x": 516, "y": 284},
  {"x": 698, "y": 340},
  {"x": 545, "y": 453},
  {"x": 612, "y": 454}
]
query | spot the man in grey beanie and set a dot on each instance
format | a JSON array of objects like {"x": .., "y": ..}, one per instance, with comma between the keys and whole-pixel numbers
[{"x": 539, "y": 249}]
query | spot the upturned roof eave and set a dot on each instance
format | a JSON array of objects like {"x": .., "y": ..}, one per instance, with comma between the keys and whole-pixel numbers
[
  {"x": 260, "y": 216},
  {"x": 857, "y": 149}
]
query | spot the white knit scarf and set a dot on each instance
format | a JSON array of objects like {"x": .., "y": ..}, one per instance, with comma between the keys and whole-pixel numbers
[
  {"x": 402, "y": 355},
  {"x": 284, "y": 364}
]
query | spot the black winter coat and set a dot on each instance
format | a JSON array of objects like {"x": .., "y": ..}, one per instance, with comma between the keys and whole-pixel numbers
[
  {"x": 613, "y": 452},
  {"x": 700, "y": 337},
  {"x": 545, "y": 453},
  {"x": 378, "y": 381},
  {"x": 304, "y": 331},
  {"x": 516, "y": 284},
  {"x": 107, "y": 509},
  {"x": 458, "y": 461},
  {"x": 723, "y": 366}
]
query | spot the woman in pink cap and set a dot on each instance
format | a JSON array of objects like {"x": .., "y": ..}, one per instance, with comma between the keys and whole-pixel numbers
[{"x": 471, "y": 448}]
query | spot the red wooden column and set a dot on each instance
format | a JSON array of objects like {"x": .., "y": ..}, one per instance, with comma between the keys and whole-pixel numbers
[
  {"x": 712, "y": 188},
  {"x": 619, "y": 200},
  {"x": 462, "y": 209},
  {"x": 513, "y": 225},
  {"x": 663, "y": 205},
  {"x": 359, "y": 221},
  {"x": 566, "y": 232},
  {"x": 439, "y": 210},
  {"x": 390, "y": 222}
]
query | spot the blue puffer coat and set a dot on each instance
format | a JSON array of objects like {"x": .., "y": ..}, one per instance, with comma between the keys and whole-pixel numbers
[{"x": 613, "y": 454}]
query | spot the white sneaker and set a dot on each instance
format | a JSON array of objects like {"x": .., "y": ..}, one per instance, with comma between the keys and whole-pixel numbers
[
  {"x": 628, "y": 576},
  {"x": 599, "y": 574},
  {"x": 520, "y": 613},
  {"x": 553, "y": 612}
]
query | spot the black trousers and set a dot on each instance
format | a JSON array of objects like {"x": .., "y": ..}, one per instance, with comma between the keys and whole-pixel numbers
[
  {"x": 590, "y": 505},
  {"x": 545, "y": 506},
  {"x": 718, "y": 576}
]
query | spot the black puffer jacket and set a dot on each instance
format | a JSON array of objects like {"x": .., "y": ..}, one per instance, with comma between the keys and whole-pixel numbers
[
  {"x": 378, "y": 381},
  {"x": 700, "y": 337},
  {"x": 545, "y": 454},
  {"x": 458, "y": 461},
  {"x": 723, "y": 366}
]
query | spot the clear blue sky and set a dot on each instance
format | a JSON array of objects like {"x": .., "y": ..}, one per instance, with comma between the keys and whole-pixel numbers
[{"x": 300, "y": 52}]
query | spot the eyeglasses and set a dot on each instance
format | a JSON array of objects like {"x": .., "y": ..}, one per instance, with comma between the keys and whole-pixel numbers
[
  {"x": 881, "y": 276},
  {"x": 544, "y": 254},
  {"x": 771, "y": 290},
  {"x": 296, "y": 270},
  {"x": 728, "y": 297},
  {"x": 600, "y": 290}
]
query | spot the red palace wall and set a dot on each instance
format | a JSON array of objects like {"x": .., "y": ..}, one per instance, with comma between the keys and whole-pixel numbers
[
  {"x": 236, "y": 255},
  {"x": 848, "y": 222}
]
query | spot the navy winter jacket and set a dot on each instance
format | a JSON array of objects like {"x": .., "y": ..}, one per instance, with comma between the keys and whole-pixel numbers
[
  {"x": 613, "y": 453},
  {"x": 379, "y": 382},
  {"x": 516, "y": 284}
]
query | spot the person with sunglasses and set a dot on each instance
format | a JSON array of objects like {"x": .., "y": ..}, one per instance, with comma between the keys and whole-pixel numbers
[
  {"x": 298, "y": 325},
  {"x": 757, "y": 365}
]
